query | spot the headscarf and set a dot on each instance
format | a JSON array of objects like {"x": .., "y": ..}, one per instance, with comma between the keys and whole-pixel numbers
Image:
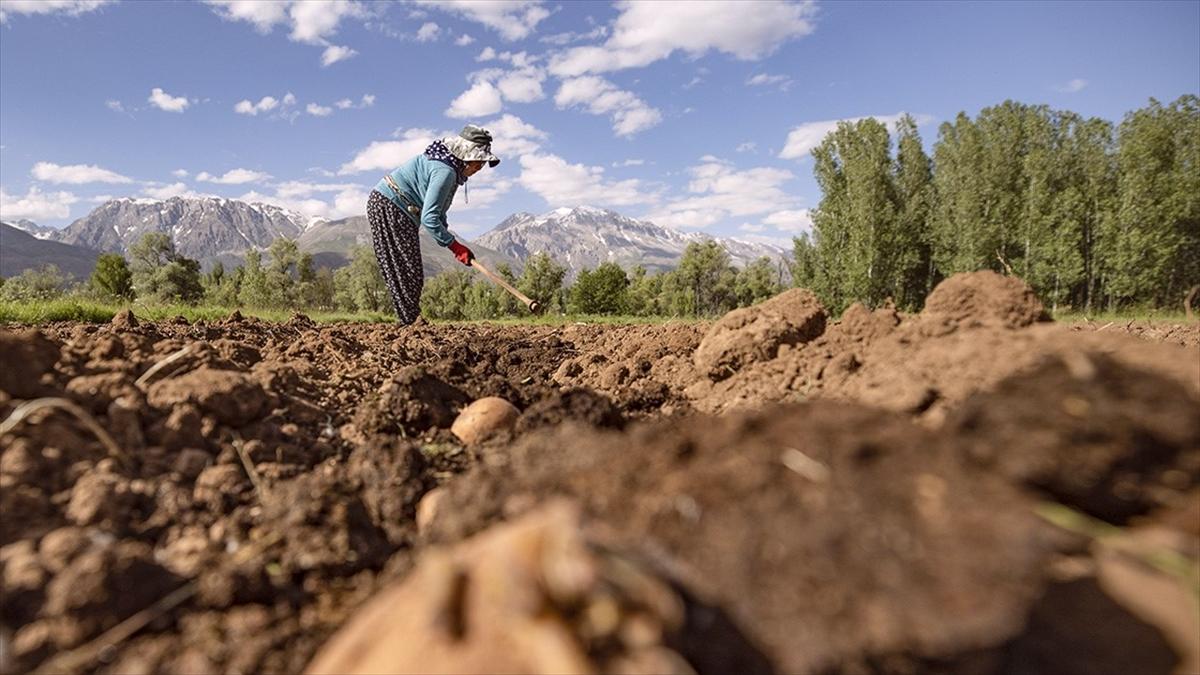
[{"x": 438, "y": 151}]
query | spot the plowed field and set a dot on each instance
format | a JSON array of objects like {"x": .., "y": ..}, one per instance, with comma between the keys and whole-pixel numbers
[{"x": 971, "y": 489}]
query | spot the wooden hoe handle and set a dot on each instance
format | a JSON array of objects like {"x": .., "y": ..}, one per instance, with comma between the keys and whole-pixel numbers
[{"x": 530, "y": 303}]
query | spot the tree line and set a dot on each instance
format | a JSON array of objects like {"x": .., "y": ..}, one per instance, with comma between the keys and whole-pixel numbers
[
  {"x": 706, "y": 283},
  {"x": 1091, "y": 215}
]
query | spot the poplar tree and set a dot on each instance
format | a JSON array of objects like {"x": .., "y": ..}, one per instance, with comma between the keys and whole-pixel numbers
[{"x": 1152, "y": 252}]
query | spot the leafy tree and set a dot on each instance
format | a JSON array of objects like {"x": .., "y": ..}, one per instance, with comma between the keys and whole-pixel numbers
[
  {"x": 317, "y": 292},
  {"x": 220, "y": 287},
  {"x": 255, "y": 290},
  {"x": 642, "y": 296},
  {"x": 509, "y": 305},
  {"x": 112, "y": 278},
  {"x": 367, "y": 287},
  {"x": 481, "y": 300},
  {"x": 804, "y": 262},
  {"x": 855, "y": 224},
  {"x": 161, "y": 273},
  {"x": 43, "y": 283},
  {"x": 706, "y": 274},
  {"x": 756, "y": 281},
  {"x": 602, "y": 291},
  {"x": 914, "y": 196},
  {"x": 542, "y": 281},
  {"x": 1153, "y": 249},
  {"x": 445, "y": 295}
]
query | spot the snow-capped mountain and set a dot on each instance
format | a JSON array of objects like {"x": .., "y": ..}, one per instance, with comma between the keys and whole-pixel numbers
[
  {"x": 202, "y": 228},
  {"x": 585, "y": 236},
  {"x": 39, "y": 231}
]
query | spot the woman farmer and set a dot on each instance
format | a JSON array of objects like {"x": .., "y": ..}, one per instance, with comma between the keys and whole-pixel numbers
[{"x": 422, "y": 190}]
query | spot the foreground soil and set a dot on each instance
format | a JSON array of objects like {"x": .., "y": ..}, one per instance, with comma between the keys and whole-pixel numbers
[{"x": 971, "y": 489}]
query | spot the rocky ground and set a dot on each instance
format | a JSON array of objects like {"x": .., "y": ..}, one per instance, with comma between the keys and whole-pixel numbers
[{"x": 970, "y": 489}]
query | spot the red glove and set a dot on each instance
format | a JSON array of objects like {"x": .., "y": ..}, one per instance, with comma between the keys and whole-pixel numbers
[{"x": 461, "y": 252}]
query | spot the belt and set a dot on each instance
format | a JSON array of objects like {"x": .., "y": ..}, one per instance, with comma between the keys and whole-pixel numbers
[{"x": 409, "y": 206}]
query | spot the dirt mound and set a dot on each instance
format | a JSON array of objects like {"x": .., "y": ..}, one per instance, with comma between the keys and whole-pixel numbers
[
  {"x": 232, "y": 397},
  {"x": 27, "y": 357},
  {"x": 1090, "y": 432},
  {"x": 973, "y": 299},
  {"x": 574, "y": 405},
  {"x": 848, "y": 506},
  {"x": 124, "y": 320},
  {"x": 412, "y": 402},
  {"x": 753, "y": 334}
]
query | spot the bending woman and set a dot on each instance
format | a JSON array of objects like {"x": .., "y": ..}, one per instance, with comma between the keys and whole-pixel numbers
[{"x": 422, "y": 190}]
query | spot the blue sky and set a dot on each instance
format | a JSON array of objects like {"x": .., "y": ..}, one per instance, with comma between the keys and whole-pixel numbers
[{"x": 697, "y": 115}]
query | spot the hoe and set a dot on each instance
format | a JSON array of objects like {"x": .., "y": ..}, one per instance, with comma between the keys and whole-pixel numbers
[{"x": 530, "y": 303}]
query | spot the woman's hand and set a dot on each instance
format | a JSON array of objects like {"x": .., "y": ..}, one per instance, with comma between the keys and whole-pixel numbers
[{"x": 461, "y": 252}]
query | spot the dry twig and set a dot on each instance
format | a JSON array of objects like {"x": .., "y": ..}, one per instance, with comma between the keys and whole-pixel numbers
[
  {"x": 161, "y": 365},
  {"x": 29, "y": 407}
]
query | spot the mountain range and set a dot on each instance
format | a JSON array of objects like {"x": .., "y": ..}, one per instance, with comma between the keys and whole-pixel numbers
[
  {"x": 212, "y": 229},
  {"x": 585, "y": 236},
  {"x": 20, "y": 250}
]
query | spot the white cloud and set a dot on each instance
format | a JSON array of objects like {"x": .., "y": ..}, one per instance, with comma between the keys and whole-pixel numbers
[
  {"x": 646, "y": 32},
  {"x": 289, "y": 99},
  {"x": 366, "y": 101},
  {"x": 428, "y": 32},
  {"x": 263, "y": 15},
  {"x": 484, "y": 189},
  {"x": 766, "y": 80},
  {"x": 563, "y": 39},
  {"x": 234, "y": 177},
  {"x": 1074, "y": 86},
  {"x": 512, "y": 19},
  {"x": 563, "y": 184},
  {"x": 802, "y": 139},
  {"x": 522, "y": 86},
  {"x": 793, "y": 220},
  {"x": 311, "y": 21},
  {"x": 335, "y": 53},
  {"x": 349, "y": 200},
  {"x": 629, "y": 162},
  {"x": 720, "y": 190},
  {"x": 598, "y": 96},
  {"x": 36, "y": 205},
  {"x": 387, "y": 155},
  {"x": 483, "y": 98},
  {"x": 115, "y": 105},
  {"x": 164, "y": 101},
  {"x": 168, "y": 191},
  {"x": 265, "y": 104},
  {"x": 180, "y": 173},
  {"x": 464, "y": 40},
  {"x": 488, "y": 54},
  {"x": 318, "y": 110},
  {"x": 67, "y": 7},
  {"x": 748, "y": 146},
  {"x": 750, "y": 227},
  {"x": 512, "y": 136},
  {"x": 76, "y": 174}
]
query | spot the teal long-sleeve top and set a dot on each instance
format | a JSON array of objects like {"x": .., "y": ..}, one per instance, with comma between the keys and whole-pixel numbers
[{"x": 429, "y": 184}]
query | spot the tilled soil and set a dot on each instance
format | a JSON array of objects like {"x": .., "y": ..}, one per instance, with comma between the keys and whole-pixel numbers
[{"x": 875, "y": 493}]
